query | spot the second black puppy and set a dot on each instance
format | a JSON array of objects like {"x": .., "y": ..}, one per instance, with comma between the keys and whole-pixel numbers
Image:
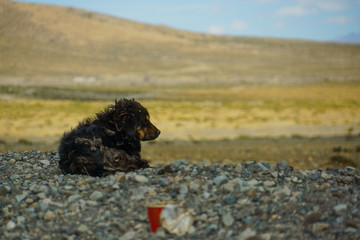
[{"x": 108, "y": 143}]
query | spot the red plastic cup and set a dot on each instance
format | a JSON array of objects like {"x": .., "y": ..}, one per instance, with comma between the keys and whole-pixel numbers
[{"x": 154, "y": 211}]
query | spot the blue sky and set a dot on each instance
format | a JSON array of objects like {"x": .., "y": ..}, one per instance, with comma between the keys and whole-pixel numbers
[{"x": 321, "y": 20}]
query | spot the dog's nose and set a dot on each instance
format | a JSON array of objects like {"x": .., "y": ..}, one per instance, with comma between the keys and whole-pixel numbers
[{"x": 158, "y": 132}]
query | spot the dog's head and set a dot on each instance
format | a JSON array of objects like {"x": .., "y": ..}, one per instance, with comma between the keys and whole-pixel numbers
[{"x": 132, "y": 118}]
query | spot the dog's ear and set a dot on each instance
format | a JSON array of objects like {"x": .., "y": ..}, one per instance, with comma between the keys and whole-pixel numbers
[{"x": 130, "y": 125}]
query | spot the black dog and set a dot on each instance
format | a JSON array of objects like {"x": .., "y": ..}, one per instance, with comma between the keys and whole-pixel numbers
[{"x": 108, "y": 143}]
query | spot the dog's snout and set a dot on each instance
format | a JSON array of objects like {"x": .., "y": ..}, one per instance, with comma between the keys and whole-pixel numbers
[{"x": 158, "y": 132}]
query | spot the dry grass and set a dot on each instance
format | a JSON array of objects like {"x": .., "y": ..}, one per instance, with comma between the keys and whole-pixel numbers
[
  {"x": 196, "y": 113},
  {"x": 81, "y": 43}
]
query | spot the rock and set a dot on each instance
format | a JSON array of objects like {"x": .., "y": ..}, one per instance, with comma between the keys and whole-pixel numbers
[
  {"x": 82, "y": 228},
  {"x": 326, "y": 176},
  {"x": 228, "y": 220},
  {"x": 312, "y": 218},
  {"x": 141, "y": 179},
  {"x": 220, "y": 180},
  {"x": 17, "y": 157},
  {"x": 119, "y": 176},
  {"x": 21, "y": 197},
  {"x": 49, "y": 216},
  {"x": 13, "y": 177},
  {"x": 45, "y": 162},
  {"x": 73, "y": 198},
  {"x": 12, "y": 161},
  {"x": 269, "y": 183},
  {"x": 229, "y": 187},
  {"x": 274, "y": 174},
  {"x": 247, "y": 233},
  {"x": 340, "y": 209},
  {"x": 160, "y": 232},
  {"x": 284, "y": 192},
  {"x": 317, "y": 227},
  {"x": 230, "y": 199},
  {"x": 96, "y": 195},
  {"x": 183, "y": 189},
  {"x": 176, "y": 164},
  {"x": 10, "y": 225},
  {"x": 238, "y": 168},
  {"x": 347, "y": 180},
  {"x": 253, "y": 182},
  {"x": 283, "y": 166}
]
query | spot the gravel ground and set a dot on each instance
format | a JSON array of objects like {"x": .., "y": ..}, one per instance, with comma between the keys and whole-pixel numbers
[{"x": 249, "y": 200}]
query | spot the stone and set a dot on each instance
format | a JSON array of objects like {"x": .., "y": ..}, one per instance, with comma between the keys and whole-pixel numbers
[
  {"x": 96, "y": 195},
  {"x": 283, "y": 166},
  {"x": 269, "y": 183},
  {"x": 253, "y": 182},
  {"x": 82, "y": 228},
  {"x": 317, "y": 227},
  {"x": 347, "y": 180},
  {"x": 73, "y": 198},
  {"x": 12, "y": 161},
  {"x": 45, "y": 162},
  {"x": 274, "y": 174},
  {"x": 326, "y": 176},
  {"x": 17, "y": 156},
  {"x": 340, "y": 209},
  {"x": 230, "y": 199},
  {"x": 247, "y": 233},
  {"x": 219, "y": 180},
  {"x": 119, "y": 176},
  {"x": 141, "y": 179},
  {"x": 229, "y": 187},
  {"x": 228, "y": 220},
  {"x": 49, "y": 216},
  {"x": 21, "y": 197},
  {"x": 238, "y": 168},
  {"x": 10, "y": 225}
]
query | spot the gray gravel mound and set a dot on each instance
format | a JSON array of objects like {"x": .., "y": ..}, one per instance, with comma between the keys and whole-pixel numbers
[{"x": 249, "y": 200}]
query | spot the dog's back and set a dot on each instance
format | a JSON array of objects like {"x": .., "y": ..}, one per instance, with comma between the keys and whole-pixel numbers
[{"x": 76, "y": 157}]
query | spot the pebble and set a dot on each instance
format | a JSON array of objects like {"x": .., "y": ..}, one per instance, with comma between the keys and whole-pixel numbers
[
  {"x": 253, "y": 182},
  {"x": 228, "y": 220},
  {"x": 238, "y": 168},
  {"x": 82, "y": 228},
  {"x": 247, "y": 234},
  {"x": 141, "y": 179},
  {"x": 45, "y": 162},
  {"x": 220, "y": 180},
  {"x": 12, "y": 161},
  {"x": 96, "y": 195},
  {"x": 340, "y": 209},
  {"x": 21, "y": 197},
  {"x": 326, "y": 175},
  {"x": 230, "y": 199},
  {"x": 227, "y": 201},
  {"x": 269, "y": 183},
  {"x": 347, "y": 179}
]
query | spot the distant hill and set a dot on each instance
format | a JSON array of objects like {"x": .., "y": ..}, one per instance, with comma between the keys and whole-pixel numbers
[
  {"x": 50, "y": 42},
  {"x": 349, "y": 38}
]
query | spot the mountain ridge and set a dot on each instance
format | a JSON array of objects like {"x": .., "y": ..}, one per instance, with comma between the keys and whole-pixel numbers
[{"x": 45, "y": 41}]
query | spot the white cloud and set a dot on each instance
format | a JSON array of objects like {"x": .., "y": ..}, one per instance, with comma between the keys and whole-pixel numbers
[
  {"x": 239, "y": 25},
  {"x": 216, "y": 29},
  {"x": 295, "y": 11},
  {"x": 339, "y": 20},
  {"x": 333, "y": 5}
]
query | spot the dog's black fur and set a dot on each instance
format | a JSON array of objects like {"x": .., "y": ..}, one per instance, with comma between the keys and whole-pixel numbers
[{"x": 108, "y": 143}]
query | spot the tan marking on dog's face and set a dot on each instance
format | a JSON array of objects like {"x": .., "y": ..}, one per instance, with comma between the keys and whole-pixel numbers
[
  {"x": 148, "y": 131},
  {"x": 140, "y": 132}
]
